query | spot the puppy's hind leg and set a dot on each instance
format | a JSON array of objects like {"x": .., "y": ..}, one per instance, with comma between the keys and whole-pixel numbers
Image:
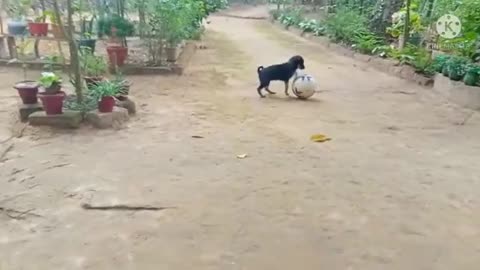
[{"x": 259, "y": 90}]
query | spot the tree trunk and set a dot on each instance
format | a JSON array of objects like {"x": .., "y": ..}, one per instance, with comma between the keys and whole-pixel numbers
[{"x": 406, "y": 28}]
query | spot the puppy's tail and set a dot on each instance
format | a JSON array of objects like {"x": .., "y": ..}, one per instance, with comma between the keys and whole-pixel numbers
[{"x": 259, "y": 69}]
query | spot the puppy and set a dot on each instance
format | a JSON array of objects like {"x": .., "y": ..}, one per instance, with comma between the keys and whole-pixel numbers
[{"x": 282, "y": 72}]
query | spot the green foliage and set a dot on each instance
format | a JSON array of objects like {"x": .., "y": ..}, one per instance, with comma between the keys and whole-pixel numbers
[
  {"x": 17, "y": 9},
  {"x": 291, "y": 17},
  {"x": 439, "y": 61},
  {"x": 89, "y": 103},
  {"x": 457, "y": 67},
  {"x": 214, "y": 5},
  {"x": 312, "y": 26},
  {"x": 49, "y": 79},
  {"x": 116, "y": 26},
  {"x": 92, "y": 65},
  {"x": 104, "y": 89},
  {"x": 346, "y": 25},
  {"x": 367, "y": 42},
  {"x": 472, "y": 76},
  {"x": 398, "y": 22}
]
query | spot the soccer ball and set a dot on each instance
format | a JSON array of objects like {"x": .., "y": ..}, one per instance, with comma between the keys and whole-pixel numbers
[{"x": 303, "y": 85}]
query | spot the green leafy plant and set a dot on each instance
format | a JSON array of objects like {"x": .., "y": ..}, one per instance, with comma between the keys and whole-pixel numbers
[
  {"x": 17, "y": 9},
  {"x": 312, "y": 26},
  {"x": 439, "y": 61},
  {"x": 104, "y": 89},
  {"x": 346, "y": 26},
  {"x": 472, "y": 74},
  {"x": 92, "y": 65},
  {"x": 51, "y": 82},
  {"x": 457, "y": 67},
  {"x": 116, "y": 26},
  {"x": 367, "y": 43}
]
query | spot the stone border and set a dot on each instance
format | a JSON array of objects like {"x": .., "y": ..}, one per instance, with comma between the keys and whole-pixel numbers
[
  {"x": 458, "y": 92},
  {"x": 382, "y": 64}
]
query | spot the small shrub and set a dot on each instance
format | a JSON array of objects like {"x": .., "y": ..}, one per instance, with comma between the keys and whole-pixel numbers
[
  {"x": 366, "y": 43},
  {"x": 346, "y": 25},
  {"x": 472, "y": 75},
  {"x": 439, "y": 61},
  {"x": 457, "y": 67},
  {"x": 312, "y": 26}
]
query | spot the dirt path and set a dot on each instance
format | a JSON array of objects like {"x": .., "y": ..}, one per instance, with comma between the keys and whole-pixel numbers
[{"x": 396, "y": 188}]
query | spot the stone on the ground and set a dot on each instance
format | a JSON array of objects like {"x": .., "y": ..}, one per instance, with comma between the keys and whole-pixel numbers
[
  {"x": 26, "y": 109},
  {"x": 69, "y": 119},
  {"x": 108, "y": 120},
  {"x": 128, "y": 103}
]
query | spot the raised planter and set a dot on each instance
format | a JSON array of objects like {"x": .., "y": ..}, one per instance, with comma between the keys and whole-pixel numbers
[
  {"x": 52, "y": 103},
  {"x": 458, "y": 92},
  {"x": 38, "y": 29},
  {"x": 117, "y": 55},
  {"x": 17, "y": 28},
  {"x": 27, "y": 90}
]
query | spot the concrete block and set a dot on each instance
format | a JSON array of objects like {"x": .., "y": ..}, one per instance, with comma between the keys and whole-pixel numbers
[
  {"x": 127, "y": 102},
  {"x": 108, "y": 120},
  {"x": 69, "y": 119},
  {"x": 26, "y": 109},
  {"x": 458, "y": 92}
]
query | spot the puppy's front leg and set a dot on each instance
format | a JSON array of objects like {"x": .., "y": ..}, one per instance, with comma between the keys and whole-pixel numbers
[{"x": 286, "y": 88}]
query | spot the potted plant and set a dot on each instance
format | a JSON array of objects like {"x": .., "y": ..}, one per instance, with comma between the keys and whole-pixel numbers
[
  {"x": 117, "y": 28},
  {"x": 123, "y": 86},
  {"x": 17, "y": 25},
  {"x": 456, "y": 68},
  {"x": 93, "y": 67},
  {"x": 27, "y": 89},
  {"x": 38, "y": 27},
  {"x": 52, "y": 98},
  {"x": 105, "y": 93},
  {"x": 472, "y": 75},
  {"x": 86, "y": 39}
]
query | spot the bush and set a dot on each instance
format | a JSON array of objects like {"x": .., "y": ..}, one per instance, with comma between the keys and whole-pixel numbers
[
  {"x": 440, "y": 61},
  {"x": 457, "y": 67},
  {"x": 346, "y": 26},
  {"x": 312, "y": 26},
  {"x": 472, "y": 75}
]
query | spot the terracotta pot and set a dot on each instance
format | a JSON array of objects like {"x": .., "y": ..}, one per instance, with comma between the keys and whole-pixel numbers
[
  {"x": 117, "y": 55},
  {"x": 92, "y": 81},
  {"x": 28, "y": 91},
  {"x": 52, "y": 104},
  {"x": 38, "y": 29},
  {"x": 106, "y": 104},
  {"x": 171, "y": 54}
]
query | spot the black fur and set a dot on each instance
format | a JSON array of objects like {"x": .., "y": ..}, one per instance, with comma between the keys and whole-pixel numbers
[{"x": 282, "y": 72}]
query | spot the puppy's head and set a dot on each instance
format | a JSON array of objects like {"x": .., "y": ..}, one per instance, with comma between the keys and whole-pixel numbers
[{"x": 297, "y": 62}]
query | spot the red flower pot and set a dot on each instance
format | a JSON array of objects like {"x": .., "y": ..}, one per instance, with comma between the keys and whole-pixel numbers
[
  {"x": 52, "y": 103},
  {"x": 38, "y": 29},
  {"x": 117, "y": 55},
  {"x": 106, "y": 104},
  {"x": 28, "y": 91}
]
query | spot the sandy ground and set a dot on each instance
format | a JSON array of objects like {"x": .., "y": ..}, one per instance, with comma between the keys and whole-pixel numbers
[{"x": 396, "y": 188}]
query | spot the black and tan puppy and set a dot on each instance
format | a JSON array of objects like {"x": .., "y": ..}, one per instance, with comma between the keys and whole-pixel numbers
[{"x": 282, "y": 72}]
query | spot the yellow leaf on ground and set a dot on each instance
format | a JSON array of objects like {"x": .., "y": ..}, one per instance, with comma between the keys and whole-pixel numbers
[{"x": 319, "y": 138}]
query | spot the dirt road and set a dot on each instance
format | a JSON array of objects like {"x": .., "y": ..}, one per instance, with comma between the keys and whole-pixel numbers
[{"x": 397, "y": 188}]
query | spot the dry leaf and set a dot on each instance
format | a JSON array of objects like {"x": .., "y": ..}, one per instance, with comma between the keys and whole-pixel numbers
[
  {"x": 242, "y": 156},
  {"x": 319, "y": 138}
]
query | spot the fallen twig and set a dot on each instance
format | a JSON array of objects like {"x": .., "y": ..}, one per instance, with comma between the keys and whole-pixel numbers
[
  {"x": 19, "y": 214},
  {"x": 58, "y": 166},
  {"x": 5, "y": 152},
  {"x": 123, "y": 207}
]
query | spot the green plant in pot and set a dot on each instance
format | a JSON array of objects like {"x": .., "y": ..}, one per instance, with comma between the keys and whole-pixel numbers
[
  {"x": 52, "y": 98},
  {"x": 123, "y": 85},
  {"x": 457, "y": 68},
  {"x": 93, "y": 67},
  {"x": 117, "y": 28},
  {"x": 472, "y": 76},
  {"x": 87, "y": 39},
  {"x": 104, "y": 92},
  {"x": 27, "y": 89},
  {"x": 17, "y": 10}
]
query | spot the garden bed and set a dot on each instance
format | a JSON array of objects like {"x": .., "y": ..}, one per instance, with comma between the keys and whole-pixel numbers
[{"x": 382, "y": 64}]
